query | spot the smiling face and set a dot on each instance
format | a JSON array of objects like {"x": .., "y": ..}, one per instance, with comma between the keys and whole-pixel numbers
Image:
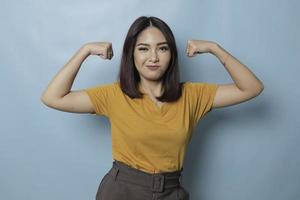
[{"x": 151, "y": 48}]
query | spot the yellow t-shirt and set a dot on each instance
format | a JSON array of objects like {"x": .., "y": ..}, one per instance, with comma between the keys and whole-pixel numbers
[{"x": 147, "y": 137}]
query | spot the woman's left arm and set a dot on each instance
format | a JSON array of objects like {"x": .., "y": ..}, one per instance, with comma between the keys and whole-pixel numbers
[{"x": 246, "y": 85}]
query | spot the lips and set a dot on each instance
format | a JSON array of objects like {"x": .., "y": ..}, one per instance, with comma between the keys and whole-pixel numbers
[{"x": 152, "y": 67}]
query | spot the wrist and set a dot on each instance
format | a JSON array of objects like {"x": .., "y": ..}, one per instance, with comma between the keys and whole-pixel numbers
[
  {"x": 213, "y": 48},
  {"x": 220, "y": 53},
  {"x": 85, "y": 50}
]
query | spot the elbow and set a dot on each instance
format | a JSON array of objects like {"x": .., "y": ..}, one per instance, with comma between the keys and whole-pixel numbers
[
  {"x": 262, "y": 87},
  {"x": 46, "y": 101},
  {"x": 256, "y": 91},
  {"x": 50, "y": 102},
  {"x": 42, "y": 99},
  {"x": 259, "y": 91}
]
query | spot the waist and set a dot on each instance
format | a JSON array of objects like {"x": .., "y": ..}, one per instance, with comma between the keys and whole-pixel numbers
[{"x": 153, "y": 181}]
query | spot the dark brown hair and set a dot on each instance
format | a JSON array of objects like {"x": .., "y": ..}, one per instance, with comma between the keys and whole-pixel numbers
[{"x": 128, "y": 74}]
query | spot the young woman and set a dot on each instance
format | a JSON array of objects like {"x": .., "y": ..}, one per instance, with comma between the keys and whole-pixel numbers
[{"x": 152, "y": 113}]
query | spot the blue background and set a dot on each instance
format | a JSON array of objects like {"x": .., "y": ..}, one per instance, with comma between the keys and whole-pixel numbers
[{"x": 246, "y": 151}]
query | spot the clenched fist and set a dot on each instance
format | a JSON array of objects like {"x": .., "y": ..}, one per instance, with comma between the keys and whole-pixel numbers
[
  {"x": 198, "y": 46},
  {"x": 102, "y": 49}
]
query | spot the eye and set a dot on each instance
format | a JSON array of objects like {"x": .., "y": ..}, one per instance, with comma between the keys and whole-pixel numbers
[
  {"x": 142, "y": 49},
  {"x": 165, "y": 48}
]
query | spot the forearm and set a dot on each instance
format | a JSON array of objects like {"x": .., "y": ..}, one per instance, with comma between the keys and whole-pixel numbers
[
  {"x": 62, "y": 83},
  {"x": 244, "y": 79}
]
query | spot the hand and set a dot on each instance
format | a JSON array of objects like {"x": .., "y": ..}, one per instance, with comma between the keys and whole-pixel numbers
[
  {"x": 199, "y": 46},
  {"x": 102, "y": 49}
]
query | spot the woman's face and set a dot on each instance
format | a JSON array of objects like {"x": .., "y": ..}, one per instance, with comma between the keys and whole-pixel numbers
[{"x": 151, "y": 48}]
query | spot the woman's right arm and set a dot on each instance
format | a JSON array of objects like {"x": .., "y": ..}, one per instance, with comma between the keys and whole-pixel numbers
[{"x": 58, "y": 94}]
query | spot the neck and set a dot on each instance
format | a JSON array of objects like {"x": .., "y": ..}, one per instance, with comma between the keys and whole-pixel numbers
[{"x": 151, "y": 87}]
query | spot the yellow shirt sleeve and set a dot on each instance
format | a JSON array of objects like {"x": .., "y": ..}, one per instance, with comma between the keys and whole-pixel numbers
[
  {"x": 101, "y": 97},
  {"x": 202, "y": 95}
]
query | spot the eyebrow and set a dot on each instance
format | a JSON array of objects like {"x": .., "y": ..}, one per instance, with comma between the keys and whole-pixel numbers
[{"x": 160, "y": 43}]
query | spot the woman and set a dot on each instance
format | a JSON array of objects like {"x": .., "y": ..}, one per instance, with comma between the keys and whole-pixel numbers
[{"x": 152, "y": 114}]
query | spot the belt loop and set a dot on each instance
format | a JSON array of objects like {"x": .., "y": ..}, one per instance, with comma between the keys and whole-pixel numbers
[
  {"x": 181, "y": 174},
  {"x": 161, "y": 182},
  {"x": 180, "y": 179},
  {"x": 115, "y": 172}
]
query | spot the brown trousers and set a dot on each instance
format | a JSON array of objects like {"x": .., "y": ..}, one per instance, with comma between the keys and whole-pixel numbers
[{"x": 123, "y": 182}]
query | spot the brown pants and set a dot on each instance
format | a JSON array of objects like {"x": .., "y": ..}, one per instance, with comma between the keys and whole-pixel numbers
[{"x": 123, "y": 182}]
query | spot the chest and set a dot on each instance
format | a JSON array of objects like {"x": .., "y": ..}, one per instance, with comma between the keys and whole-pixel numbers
[{"x": 148, "y": 115}]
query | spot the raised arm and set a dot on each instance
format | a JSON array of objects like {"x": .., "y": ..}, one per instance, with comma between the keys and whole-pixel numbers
[
  {"x": 246, "y": 85},
  {"x": 58, "y": 94}
]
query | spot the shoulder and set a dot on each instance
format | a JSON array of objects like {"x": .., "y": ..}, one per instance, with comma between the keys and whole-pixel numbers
[
  {"x": 198, "y": 85},
  {"x": 106, "y": 88},
  {"x": 200, "y": 88}
]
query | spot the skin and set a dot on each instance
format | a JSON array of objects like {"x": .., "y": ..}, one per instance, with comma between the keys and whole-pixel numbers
[
  {"x": 246, "y": 85},
  {"x": 58, "y": 94},
  {"x": 151, "y": 52}
]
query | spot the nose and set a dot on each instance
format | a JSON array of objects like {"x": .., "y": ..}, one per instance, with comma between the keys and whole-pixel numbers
[{"x": 153, "y": 56}]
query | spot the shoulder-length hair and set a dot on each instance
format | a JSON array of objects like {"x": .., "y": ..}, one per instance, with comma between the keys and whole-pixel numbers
[{"x": 128, "y": 74}]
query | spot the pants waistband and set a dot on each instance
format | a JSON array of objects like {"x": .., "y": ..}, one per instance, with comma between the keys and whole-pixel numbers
[{"x": 156, "y": 182}]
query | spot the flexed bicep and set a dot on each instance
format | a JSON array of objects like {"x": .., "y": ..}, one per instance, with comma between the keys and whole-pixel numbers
[
  {"x": 230, "y": 94},
  {"x": 75, "y": 102}
]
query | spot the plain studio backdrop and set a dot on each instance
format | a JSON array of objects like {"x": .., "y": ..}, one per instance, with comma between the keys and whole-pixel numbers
[{"x": 242, "y": 152}]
